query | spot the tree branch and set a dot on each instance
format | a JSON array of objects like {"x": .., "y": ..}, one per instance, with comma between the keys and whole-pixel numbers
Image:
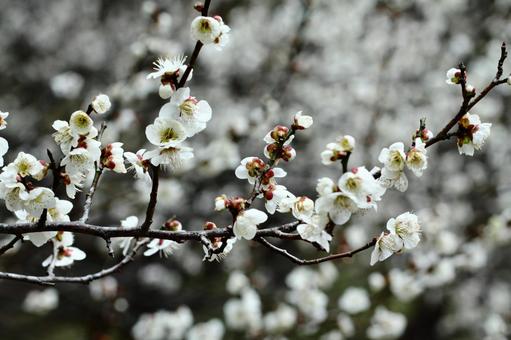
[{"x": 299, "y": 261}]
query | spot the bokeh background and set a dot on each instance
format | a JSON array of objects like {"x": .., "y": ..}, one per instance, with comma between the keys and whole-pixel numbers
[{"x": 366, "y": 68}]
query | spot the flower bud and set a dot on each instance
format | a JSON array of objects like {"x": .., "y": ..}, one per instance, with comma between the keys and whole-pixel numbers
[
  {"x": 208, "y": 225},
  {"x": 302, "y": 122},
  {"x": 173, "y": 225},
  {"x": 101, "y": 103},
  {"x": 237, "y": 204},
  {"x": 288, "y": 153},
  {"x": 279, "y": 133},
  {"x": 221, "y": 203}
]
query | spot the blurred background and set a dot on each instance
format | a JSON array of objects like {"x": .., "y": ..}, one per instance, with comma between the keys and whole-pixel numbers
[{"x": 366, "y": 68}]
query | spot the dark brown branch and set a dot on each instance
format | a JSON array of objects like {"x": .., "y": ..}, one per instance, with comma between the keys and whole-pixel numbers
[
  {"x": 300, "y": 261},
  {"x": 85, "y": 279},
  {"x": 10, "y": 244},
  {"x": 153, "y": 199}
]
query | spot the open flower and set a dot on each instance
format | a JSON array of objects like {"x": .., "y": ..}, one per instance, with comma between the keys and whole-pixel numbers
[
  {"x": 205, "y": 29},
  {"x": 472, "y": 134},
  {"x": 167, "y": 68},
  {"x": 165, "y": 132},
  {"x": 251, "y": 168},
  {"x": 313, "y": 230},
  {"x": 407, "y": 227},
  {"x": 171, "y": 156},
  {"x": 246, "y": 223},
  {"x": 302, "y": 208},
  {"x": 140, "y": 163},
  {"x": 64, "y": 136},
  {"x": 386, "y": 245},
  {"x": 416, "y": 158},
  {"x": 301, "y": 121},
  {"x": 211, "y": 254},
  {"x": 65, "y": 256},
  {"x": 38, "y": 199},
  {"x": 394, "y": 161},
  {"x": 362, "y": 188},
  {"x": 273, "y": 195},
  {"x": 27, "y": 165},
  {"x": 80, "y": 123},
  {"x": 190, "y": 112},
  {"x": 78, "y": 161},
  {"x": 338, "y": 205},
  {"x": 165, "y": 247},
  {"x": 73, "y": 183}
]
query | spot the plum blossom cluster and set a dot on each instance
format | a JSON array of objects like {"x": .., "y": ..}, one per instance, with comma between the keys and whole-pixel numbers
[
  {"x": 210, "y": 30},
  {"x": 262, "y": 175},
  {"x": 403, "y": 232},
  {"x": 395, "y": 160}
]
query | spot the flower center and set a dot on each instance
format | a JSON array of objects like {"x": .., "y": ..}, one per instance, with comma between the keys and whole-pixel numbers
[{"x": 168, "y": 134}]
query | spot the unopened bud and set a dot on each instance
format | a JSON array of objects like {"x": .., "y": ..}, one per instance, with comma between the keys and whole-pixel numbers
[
  {"x": 173, "y": 225},
  {"x": 209, "y": 225}
]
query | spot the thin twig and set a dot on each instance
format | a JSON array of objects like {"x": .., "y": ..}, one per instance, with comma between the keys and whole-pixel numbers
[
  {"x": 300, "y": 261},
  {"x": 153, "y": 199},
  {"x": 90, "y": 195}
]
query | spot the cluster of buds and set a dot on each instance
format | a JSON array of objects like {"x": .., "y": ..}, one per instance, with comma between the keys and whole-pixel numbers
[
  {"x": 339, "y": 150},
  {"x": 112, "y": 157},
  {"x": 278, "y": 141},
  {"x": 234, "y": 205}
]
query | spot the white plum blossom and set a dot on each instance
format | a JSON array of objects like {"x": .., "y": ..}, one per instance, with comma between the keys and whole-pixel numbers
[
  {"x": 165, "y": 247},
  {"x": 250, "y": 168},
  {"x": 354, "y": 300},
  {"x": 313, "y": 230},
  {"x": 3, "y": 117},
  {"x": 338, "y": 205},
  {"x": 273, "y": 196},
  {"x": 165, "y": 132},
  {"x": 80, "y": 123},
  {"x": 246, "y": 223},
  {"x": 211, "y": 255},
  {"x": 139, "y": 163},
  {"x": 301, "y": 121},
  {"x": 386, "y": 245},
  {"x": 210, "y": 30},
  {"x": 325, "y": 186},
  {"x": 169, "y": 67},
  {"x": 453, "y": 76},
  {"x": 361, "y": 187},
  {"x": 338, "y": 150},
  {"x": 205, "y": 29},
  {"x": 394, "y": 161},
  {"x": 302, "y": 207},
  {"x": 416, "y": 158},
  {"x": 78, "y": 161},
  {"x": 37, "y": 199},
  {"x": 65, "y": 256},
  {"x": 173, "y": 156},
  {"x": 101, "y": 103},
  {"x": 190, "y": 112},
  {"x": 386, "y": 324},
  {"x": 407, "y": 227},
  {"x": 73, "y": 183},
  {"x": 472, "y": 134},
  {"x": 26, "y": 165},
  {"x": 64, "y": 136}
]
